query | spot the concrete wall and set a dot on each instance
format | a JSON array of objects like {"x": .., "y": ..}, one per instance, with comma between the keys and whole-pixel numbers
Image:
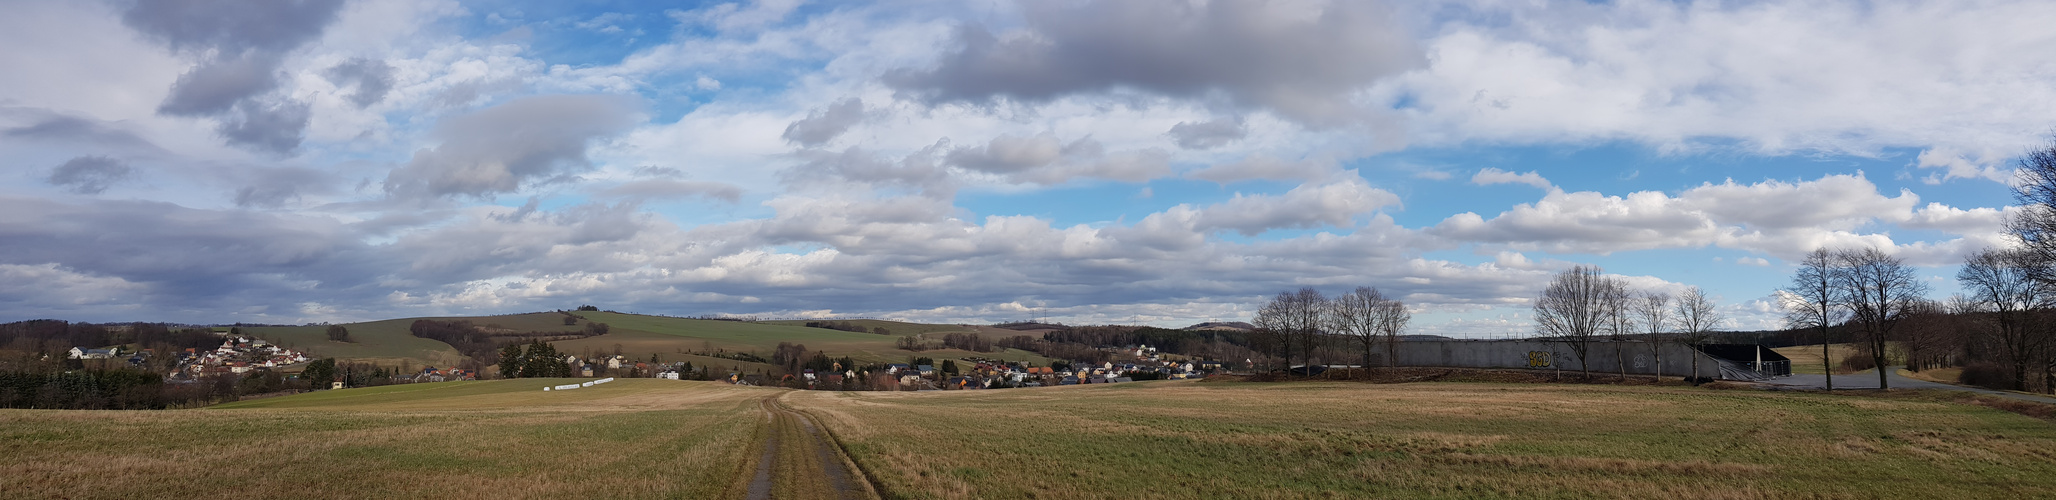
[{"x": 1676, "y": 358}]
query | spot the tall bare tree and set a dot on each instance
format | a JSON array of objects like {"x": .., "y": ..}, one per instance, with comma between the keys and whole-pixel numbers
[
  {"x": 1309, "y": 315},
  {"x": 1619, "y": 302},
  {"x": 1356, "y": 316},
  {"x": 1880, "y": 291},
  {"x": 1297, "y": 319},
  {"x": 1652, "y": 312},
  {"x": 2034, "y": 221},
  {"x": 1697, "y": 318},
  {"x": 1392, "y": 320},
  {"x": 2002, "y": 284},
  {"x": 1572, "y": 310},
  {"x": 1814, "y": 301},
  {"x": 1273, "y": 329}
]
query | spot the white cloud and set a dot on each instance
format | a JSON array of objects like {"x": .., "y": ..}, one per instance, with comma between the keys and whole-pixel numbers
[
  {"x": 1961, "y": 77},
  {"x": 1490, "y": 176}
]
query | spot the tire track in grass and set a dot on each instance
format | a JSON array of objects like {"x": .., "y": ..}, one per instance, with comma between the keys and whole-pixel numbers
[{"x": 801, "y": 461}]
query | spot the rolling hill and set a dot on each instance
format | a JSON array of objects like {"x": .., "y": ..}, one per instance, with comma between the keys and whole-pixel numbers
[{"x": 638, "y": 337}]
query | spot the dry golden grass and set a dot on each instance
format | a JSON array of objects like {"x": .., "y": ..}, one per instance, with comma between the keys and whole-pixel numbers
[
  {"x": 1314, "y": 439},
  {"x": 628, "y": 439},
  {"x": 1940, "y": 375}
]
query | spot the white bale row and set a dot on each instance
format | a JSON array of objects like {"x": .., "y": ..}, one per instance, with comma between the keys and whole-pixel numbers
[{"x": 567, "y": 387}]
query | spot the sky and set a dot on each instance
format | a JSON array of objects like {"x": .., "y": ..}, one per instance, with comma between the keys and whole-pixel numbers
[{"x": 1161, "y": 162}]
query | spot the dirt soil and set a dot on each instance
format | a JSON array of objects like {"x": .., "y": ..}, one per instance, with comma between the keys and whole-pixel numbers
[{"x": 800, "y": 460}]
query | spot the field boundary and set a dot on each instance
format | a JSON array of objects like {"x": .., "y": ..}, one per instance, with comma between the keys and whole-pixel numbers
[{"x": 876, "y": 488}]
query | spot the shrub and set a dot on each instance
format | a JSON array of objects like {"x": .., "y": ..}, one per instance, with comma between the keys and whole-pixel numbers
[
  {"x": 1858, "y": 362},
  {"x": 1987, "y": 375}
]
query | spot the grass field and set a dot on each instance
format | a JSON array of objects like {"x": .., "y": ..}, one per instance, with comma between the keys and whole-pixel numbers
[
  {"x": 389, "y": 341},
  {"x": 1451, "y": 440},
  {"x": 644, "y": 438},
  {"x": 895, "y": 327},
  {"x": 1806, "y": 358},
  {"x": 640, "y": 438}
]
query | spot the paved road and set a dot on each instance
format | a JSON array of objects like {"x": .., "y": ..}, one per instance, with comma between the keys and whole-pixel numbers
[
  {"x": 799, "y": 460},
  {"x": 1869, "y": 380}
]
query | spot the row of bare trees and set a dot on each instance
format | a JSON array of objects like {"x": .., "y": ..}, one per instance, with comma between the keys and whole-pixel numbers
[
  {"x": 1871, "y": 291},
  {"x": 1301, "y": 325},
  {"x": 2006, "y": 315},
  {"x": 1582, "y": 305}
]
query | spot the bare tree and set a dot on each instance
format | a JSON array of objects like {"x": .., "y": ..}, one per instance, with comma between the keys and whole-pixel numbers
[
  {"x": 1814, "y": 301},
  {"x": 1272, "y": 328},
  {"x": 1880, "y": 291},
  {"x": 1652, "y": 311},
  {"x": 1572, "y": 310},
  {"x": 2034, "y": 221},
  {"x": 1358, "y": 315},
  {"x": 1697, "y": 318},
  {"x": 1392, "y": 319},
  {"x": 1618, "y": 302},
  {"x": 1309, "y": 310},
  {"x": 2002, "y": 284},
  {"x": 1296, "y": 319}
]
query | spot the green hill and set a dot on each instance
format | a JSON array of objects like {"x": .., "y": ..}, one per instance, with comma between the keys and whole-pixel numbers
[{"x": 636, "y": 336}]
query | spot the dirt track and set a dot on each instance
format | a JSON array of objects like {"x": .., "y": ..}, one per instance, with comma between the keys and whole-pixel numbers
[{"x": 799, "y": 460}]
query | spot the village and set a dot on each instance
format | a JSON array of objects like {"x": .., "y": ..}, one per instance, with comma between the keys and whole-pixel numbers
[{"x": 979, "y": 373}]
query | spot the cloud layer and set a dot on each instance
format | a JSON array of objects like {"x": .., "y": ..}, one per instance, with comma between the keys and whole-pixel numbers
[{"x": 1168, "y": 161}]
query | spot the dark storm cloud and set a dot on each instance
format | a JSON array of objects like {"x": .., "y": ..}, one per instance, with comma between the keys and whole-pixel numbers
[
  {"x": 1208, "y": 134},
  {"x": 233, "y": 25},
  {"x": 1300, "y": 59},
  {"x": 242, "y": 44},
  {"x": 185, "y": 255},
  {"x": 271, "y": 187},
  {"x": 498, "y": 149},
  {"x": 824, "y": 124},
  {"x": 44, "y": 127},
  {"x": 266, "y": 126},
  {"x": 373, "y": 79},
  {"x": 215, "y": 87},
  {"x": 89, "y": 174}
]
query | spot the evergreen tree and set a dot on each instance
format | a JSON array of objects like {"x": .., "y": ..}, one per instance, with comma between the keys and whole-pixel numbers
[{"x": 510, "y": 361}]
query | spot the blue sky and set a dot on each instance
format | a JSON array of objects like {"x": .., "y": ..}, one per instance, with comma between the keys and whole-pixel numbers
[{"x": 1155, "y": 161}]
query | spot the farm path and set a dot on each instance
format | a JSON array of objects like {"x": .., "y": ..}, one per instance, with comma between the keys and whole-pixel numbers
[{"x": 800, "y": 460}]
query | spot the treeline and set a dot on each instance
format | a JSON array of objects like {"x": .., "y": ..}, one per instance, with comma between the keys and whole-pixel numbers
[
  {"x": 1309, "y": 325},
  {"x": 1164, "y": 339},
  {"x": 535, "y": 359},
  {"x": 796, "y": 357},
  {"x": 966, "y": 341},
  {"x": 482, "y": 346},
  {"x": 848, "y": 327},
  {"x": 57, "y": 337}
]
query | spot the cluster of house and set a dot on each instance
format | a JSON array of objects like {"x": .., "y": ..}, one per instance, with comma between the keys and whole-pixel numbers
[
  {"x": 982, "y": 373},
  {"x": 433, "y": 374},
  {"x": 588, "y": 367},
  {"x": 238, "y": 354}
]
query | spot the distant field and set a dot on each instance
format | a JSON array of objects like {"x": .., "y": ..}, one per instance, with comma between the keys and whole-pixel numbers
[
  {"x": 637, "y": 336},
  {"x": 641, "y": 335},
  {"x": 1806, "y": 358},
  {"x": 499, "y": 439},
  {"x": 895, "y": 327},
  {"x": 1448, "y": 440}
]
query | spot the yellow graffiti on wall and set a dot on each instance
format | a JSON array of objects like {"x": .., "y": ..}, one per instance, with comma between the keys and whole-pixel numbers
[{"x": 1538, "y": 359}]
